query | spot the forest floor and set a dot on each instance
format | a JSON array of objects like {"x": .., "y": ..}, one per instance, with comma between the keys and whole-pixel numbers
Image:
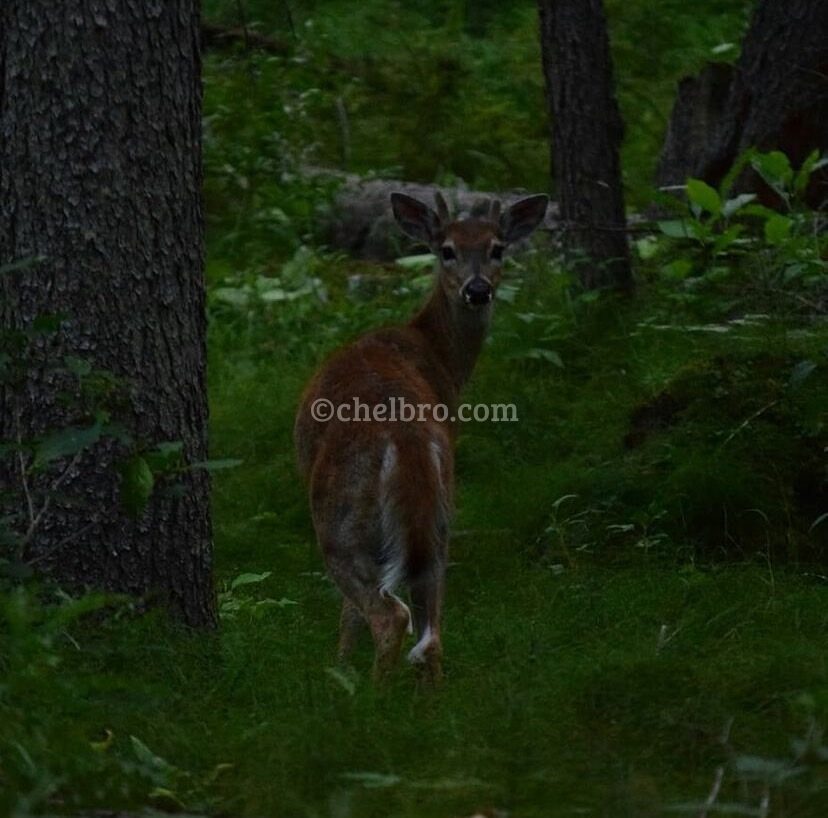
[{"x": 620, "y": 631}]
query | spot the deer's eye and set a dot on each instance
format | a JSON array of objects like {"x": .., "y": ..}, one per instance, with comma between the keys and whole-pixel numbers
[
  {"x": 447, "y": 253},
  {"x": 496, "y": 252}
]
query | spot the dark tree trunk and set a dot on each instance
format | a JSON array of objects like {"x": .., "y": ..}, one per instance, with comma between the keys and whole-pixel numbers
[
  {"x": 100, "y": 174},
  {"x": 777, "y": 99},
  {"x": 586, "y": 137},
  {"x": 698, "y": 111}
]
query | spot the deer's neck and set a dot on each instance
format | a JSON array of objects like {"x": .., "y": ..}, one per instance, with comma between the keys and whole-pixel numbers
[{"x": 454, "y": 335}]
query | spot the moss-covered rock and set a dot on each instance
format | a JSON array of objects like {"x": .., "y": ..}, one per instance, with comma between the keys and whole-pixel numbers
[{"x": 735, "y": 448}]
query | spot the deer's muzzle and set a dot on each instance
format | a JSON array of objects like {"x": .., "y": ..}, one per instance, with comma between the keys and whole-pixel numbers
[{"x": 477, "y": 291}]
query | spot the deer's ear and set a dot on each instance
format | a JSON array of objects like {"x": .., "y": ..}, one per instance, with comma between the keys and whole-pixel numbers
[
  {"x": 415, "y": 219},
  {"x": 523, "y": 217}
]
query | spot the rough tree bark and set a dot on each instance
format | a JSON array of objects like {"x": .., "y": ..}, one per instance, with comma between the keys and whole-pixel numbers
[
  {"x": 698, "y": 110},
  {"x": 586, "y": 137},
  {"x": 100, "y": 174},
  {"x": 775, "y": 98}
]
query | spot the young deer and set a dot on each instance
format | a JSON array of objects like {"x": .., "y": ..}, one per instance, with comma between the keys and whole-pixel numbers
[{"x": 380, "y": 489}]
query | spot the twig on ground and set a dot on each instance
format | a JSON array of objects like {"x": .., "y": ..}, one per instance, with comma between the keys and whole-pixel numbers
[
  {"x": 714, "y": 791},
  {"x": 747, "y": 421}
]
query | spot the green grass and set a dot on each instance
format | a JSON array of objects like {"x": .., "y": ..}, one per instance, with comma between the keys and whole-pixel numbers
[{"x": 596, "y": 652}]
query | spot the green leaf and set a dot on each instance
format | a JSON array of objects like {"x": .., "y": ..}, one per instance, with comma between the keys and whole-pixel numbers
[
  {"x": 647, "y": 247},
  {"x": 66, "y": 442},
  {"x": 166, "y": 800},
  {"x": 136, "y": 485},
  {"x": 801, "y": 372},
  {"x": 249, "y": 579},
  {"x": 771, "y": 770},
  {"x": 701, "y": 194},
  {"x": 677, "y": 229},
  {"x": 237, "y": 296},
  {"x": 758, "y": 210},
  {"x": 149, "y": 759},
  {"x": 734, "y": 205},
  {"x": 678, "y": 269},
  {"x": 146, "y": 756},
  {"x": 541, "y": 354},
  {"x": 774, "y": 168},
  {"x": 727, "y": 238},
  {"x": 275, "y": 294},
  {"x": 217, "y": 465},
  {"x": 23, "y": 264},
  {"x": 165, "y": 457},
  {"x": 46, "y": 324},
  {"x": 419, "y": 262},
  {"x": 507, "y": 293},
  {"x": 778, "y": 229},
  {"x": 722, "y": 48},
  {"x": 169, "y": 447},
  {"x": 346, "y": 681},
  {"x": 812, "y": 163},
  {"x": 372, "y": 780},
  {"x": 77, "y": 366}
]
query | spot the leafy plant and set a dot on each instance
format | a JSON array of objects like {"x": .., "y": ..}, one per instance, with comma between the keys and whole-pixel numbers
[
  {"x": 232, "y": 604},
  {"x": 719, "y": 230}
]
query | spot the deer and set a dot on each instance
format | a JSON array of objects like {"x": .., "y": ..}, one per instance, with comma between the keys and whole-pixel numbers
[{"x": 381, "y": 490}]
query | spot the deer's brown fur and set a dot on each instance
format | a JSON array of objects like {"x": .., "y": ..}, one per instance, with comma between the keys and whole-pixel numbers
[{"x": 380, "y": 490}]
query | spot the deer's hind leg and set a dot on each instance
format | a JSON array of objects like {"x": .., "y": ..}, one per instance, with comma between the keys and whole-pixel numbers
[
  {"x": 388, "y": 618},
  {"x": 351, "y": 623},
  {"x": 390, "y": 621},
  {"x": 349, "y": 527},
  {"x": 427, "y": 603}
]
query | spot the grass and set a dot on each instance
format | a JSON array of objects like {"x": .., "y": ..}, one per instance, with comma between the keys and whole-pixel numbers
[{"x": 599, "y": 661}]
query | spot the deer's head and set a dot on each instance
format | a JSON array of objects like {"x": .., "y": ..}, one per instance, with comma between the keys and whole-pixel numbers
[{"x": 469, "y": 251}]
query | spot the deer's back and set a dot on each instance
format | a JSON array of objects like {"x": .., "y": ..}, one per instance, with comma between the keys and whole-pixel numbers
[
  {"x": 380, "y": 490},
  {"x": 389, "y": 365}
]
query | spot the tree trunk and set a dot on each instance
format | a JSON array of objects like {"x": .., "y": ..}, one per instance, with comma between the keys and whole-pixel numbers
[
  {"x": 777, "y": 99},
  {"x": 100, "y": 176},
  {"x": 586, "y": 137},
  {"x": 698, "y": 111}
]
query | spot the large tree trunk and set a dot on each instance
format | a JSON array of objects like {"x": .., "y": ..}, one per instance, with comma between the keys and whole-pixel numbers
[
  {"x": 698, "y": 111},
  {"x": 586, "y": 137},
  {"x": 775, "y": 99},
  {"x": 100, "y": 174}
]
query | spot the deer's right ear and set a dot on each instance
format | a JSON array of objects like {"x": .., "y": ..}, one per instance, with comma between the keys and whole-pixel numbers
[
  {"x": 415, "y": 219},
  {"x": 523, "y": 217}
]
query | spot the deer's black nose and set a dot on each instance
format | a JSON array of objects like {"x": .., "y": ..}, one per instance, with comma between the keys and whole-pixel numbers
[{"x": 478, "y": 291}]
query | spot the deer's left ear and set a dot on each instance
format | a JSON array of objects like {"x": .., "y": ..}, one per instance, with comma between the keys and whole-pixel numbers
[
  {"x": 523, "y": 217},
  {"x": 415, "y": 219}
]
